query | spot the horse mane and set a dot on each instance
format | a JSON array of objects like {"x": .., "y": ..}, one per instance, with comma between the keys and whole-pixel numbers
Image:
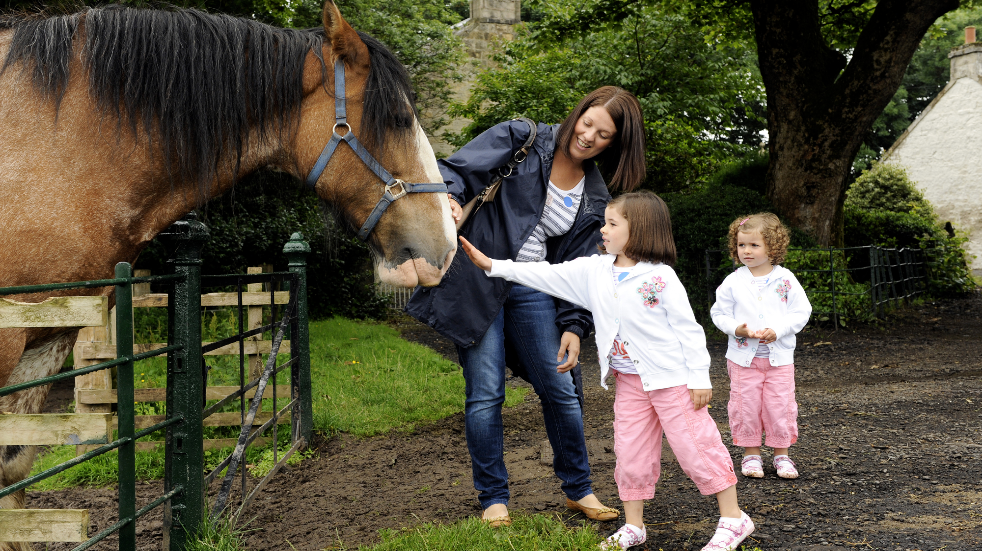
[{"x": 198, "y": 84}]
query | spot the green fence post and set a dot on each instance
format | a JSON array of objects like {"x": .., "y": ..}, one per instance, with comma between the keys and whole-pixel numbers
[
  {"x": 125, "y": 405},
  {"x": 184, "y": 454},
  {"x": 296, "y": 250}
]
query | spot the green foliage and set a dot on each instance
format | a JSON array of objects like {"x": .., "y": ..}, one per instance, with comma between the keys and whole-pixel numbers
[
  {"x": 702, "y": 102},
  {"x": 886, "y": 228},
  {"x": 948, "y": 265},
  {"x": 748, "y": 173},
  {"x": 419, "y": 33},
  {"x": 830, "y": 287},
  {"x": 888, "y": 187},
  {"x": 249, "y": 226},
  {"x": 927, "y": 74},
  {"x": 219, "y": 535},
  {"x": 700, "y": 221}
]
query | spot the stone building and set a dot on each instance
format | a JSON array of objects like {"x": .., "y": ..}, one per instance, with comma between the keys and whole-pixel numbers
[{"x": 940, "y": 150}]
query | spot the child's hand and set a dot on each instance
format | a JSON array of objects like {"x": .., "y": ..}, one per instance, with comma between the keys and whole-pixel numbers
[
  {"x": 742, "y": 331},
  {"x": 767, "y": 336},
  {"x": 477, "y": 257},
  {"x": 455, "y": 210},
  {"x": 700, "y": 397},
  {"x": 570, "y": 347}
]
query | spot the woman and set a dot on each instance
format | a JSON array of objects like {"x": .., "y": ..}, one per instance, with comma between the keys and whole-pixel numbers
[{"x": 550, "y": 208}]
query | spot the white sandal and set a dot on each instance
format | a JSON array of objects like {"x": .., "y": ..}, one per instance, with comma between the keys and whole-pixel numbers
[
  {"x": 785, "y": 467},
  {"x": 752, "y": 466},
  {"x": 627, "y": 536}
]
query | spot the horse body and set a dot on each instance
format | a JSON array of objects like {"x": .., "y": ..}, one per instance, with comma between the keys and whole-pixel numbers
[{"x": 86, "y": 181}]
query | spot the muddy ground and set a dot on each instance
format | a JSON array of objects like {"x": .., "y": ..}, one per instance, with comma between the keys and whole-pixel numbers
[{"x": 890, "y": 453}]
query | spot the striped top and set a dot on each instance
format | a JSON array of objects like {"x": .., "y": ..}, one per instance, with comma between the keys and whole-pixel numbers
[
  {"x": 763, "y": 351},
  {"x": 619, "y": 358},
  {"x": 557, "y": 218}
]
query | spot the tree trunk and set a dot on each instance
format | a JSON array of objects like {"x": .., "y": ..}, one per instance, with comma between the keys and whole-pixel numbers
[{"x": 819, "y": 107}]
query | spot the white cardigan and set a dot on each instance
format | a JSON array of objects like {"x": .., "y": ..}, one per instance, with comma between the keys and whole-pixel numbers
[
  {"x": 649, "y": 308},
  {"x": 781, "y": 305}
]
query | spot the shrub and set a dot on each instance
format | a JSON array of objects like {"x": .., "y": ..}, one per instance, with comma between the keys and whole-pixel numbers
[
  {"x": 886, "y": 228},
  {"x": 701, "y": 221},
  {"x": 851, "y": 299},
  {"x": 948, "y": 265},
  {"x": 888, "y": 187},
  {"x": 249, "y": 227}
]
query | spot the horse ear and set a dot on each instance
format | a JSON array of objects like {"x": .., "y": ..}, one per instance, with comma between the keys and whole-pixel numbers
[{"x": 344, "y": 40}]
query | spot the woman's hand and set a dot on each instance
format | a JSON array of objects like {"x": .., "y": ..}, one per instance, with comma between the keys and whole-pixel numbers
[
  {"x": 480, "y": 259},
  {"x": 455, "y": 209},
  {"x": 570, "y": 345},
  {"x": 700, "y": 397}
]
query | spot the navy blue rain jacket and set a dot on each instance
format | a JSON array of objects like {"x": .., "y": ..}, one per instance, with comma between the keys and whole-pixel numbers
[{"x": 465, "y": 303}]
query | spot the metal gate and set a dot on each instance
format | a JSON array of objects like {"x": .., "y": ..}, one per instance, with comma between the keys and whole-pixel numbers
[{"x": 184, "y": 483}]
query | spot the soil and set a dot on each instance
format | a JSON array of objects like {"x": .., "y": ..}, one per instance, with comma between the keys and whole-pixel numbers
[{"x": 890, "y": 453}]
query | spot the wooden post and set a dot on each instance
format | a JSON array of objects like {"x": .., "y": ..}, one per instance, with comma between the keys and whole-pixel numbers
[{"x": 255, "y": 319}]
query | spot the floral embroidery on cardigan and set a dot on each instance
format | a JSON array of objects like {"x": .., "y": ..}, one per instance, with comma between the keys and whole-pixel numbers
[{"x": 649, "y": 291}]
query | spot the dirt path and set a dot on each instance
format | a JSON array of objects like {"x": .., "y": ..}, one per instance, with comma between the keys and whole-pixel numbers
[{"x": 890, "y": 453}]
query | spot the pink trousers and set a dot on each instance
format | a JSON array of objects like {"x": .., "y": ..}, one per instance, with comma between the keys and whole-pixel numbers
[
  {"x": 762, "y": 402},
  {"x": 640, "y": 417}
]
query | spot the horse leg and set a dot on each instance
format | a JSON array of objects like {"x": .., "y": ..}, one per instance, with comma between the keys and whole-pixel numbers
[{"x": 41, "y": 361}]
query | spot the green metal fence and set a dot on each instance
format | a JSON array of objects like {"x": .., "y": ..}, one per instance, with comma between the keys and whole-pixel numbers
[
  {"x": 183, "y": 496},
  {"x": 842, "y": 283}
]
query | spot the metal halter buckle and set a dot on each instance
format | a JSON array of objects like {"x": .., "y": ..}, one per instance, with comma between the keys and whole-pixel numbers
[{"x": 402, "y": 188}]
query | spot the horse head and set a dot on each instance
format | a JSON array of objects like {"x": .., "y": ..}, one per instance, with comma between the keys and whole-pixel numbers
[{"x": 383, "y": 179}]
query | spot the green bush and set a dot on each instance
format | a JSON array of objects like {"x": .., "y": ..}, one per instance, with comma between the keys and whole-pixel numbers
[
  {"x": 701, "y": 221},
  {"x": 888, "y": 187},
  {"x": 886, "y": 228},
  {"x": 851, "y": 299},
  {"x": 948, "y": 266},
  {"x": 249, "y": 226},
  {"x": 884, "y": 208},
  {"x": 748, "y": 173}
]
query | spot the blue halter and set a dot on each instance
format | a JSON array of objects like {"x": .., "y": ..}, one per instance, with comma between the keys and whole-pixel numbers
[{"x": 388, "y": 197}]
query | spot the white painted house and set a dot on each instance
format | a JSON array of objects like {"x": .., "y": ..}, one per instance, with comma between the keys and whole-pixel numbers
[{"x": 941, "y": 149}]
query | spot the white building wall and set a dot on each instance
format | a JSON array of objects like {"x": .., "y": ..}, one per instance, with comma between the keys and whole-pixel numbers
[{"x": 942, "y": 152}]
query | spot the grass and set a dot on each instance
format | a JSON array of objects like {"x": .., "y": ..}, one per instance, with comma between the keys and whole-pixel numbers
[{"x": 366, "y": 381}]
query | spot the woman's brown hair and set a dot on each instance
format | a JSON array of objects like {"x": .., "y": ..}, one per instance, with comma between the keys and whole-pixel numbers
[
  {"x": 769, "y": 227},
  {"x": 627, "y": 149},
  {"x": 649, "y": 227}
]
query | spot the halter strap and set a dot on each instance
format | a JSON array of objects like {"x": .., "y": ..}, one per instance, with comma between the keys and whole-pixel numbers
[{"x": 341, "y": 119}]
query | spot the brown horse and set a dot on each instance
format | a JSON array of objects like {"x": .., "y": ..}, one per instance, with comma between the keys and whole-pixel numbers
[{"x": 117, "y": 121}]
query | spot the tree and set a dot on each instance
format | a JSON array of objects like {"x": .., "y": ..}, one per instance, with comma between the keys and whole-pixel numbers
[
  {"x": 821, "y": 103},
  {"x": 702, "y": 102}
]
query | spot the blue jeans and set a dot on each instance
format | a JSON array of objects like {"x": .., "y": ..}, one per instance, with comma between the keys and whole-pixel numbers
[{"x": 525, "y": 329}]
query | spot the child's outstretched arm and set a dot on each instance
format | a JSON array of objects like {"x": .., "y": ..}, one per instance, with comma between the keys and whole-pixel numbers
[{"x": 479, "y": 259}]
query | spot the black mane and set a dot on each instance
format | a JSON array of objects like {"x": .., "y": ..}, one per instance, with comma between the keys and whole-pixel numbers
[{"x": 198, "y": 83}]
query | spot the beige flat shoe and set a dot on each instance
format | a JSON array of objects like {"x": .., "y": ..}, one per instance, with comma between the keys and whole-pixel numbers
[
  {"x": 497, "y": 522},
  {"x": 593, "y": 513}
]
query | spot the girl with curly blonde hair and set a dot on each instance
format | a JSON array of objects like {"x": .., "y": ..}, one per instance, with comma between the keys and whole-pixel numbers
[{"x": 761, "y": 306}]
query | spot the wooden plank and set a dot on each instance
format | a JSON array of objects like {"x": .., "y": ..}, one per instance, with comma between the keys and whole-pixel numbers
[
  {"x": 229, "y": 419},
  {"x": 104, "y": 351},
  {"x": 42, "y": 525},
  {"x": 108, "y": 396},
  {"x": 97, "y": 379},
  {"x": 55, "y": 312},
  {"x": 54, "y": 429},
  {"x": 254, "y": 320},
  {"x": 159, "y": 300},
  {"x": 213, "y": 444}
]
